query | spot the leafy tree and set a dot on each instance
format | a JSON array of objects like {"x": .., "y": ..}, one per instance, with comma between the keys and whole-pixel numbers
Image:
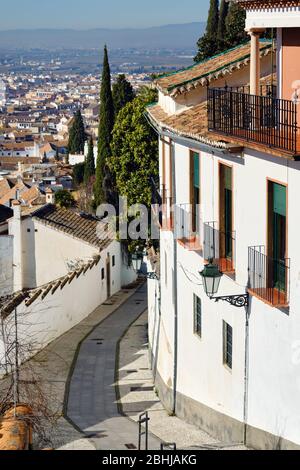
[
  {"x": 134, "y": 152},
  {"x": 235, "y": 25},
  {"x": 77, "y": 135},
  {"x": 89, "y": 168},
  {"x": 103, "y": 189},
  {"x": 122, "y": 93},
  {"x": 64, "y": 199},
  {"x": 208, "y": 44},
  {"x": 78, "y": 174},
  {"x": 222, "y": 25}
]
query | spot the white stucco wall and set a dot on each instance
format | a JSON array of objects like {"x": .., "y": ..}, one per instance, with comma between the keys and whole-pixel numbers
[
  {"x": 6, "y": 265},
  {"x": 274, "y": 350},
  {"x": 45, "y": 320}
]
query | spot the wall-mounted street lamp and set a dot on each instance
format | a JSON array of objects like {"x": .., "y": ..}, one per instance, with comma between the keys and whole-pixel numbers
[
  {"x": 137, "y": 261},
  {"x": 211, "y": 276}
]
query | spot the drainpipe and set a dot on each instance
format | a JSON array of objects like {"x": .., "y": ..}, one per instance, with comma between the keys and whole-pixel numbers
[
  {"x": 175, "y": 283},
  {"x": 246, "y": 386}
]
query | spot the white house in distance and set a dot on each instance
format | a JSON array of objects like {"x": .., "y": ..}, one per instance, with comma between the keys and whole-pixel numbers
[
  {"x": 2, "y": 93},
  {"x": 229, "y": 163}
]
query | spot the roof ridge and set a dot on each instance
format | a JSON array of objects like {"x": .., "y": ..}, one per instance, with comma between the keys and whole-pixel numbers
[{"x": 204, "y": 61}]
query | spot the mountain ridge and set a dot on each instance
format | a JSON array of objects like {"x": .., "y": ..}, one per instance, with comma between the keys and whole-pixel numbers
[{"x": 175, "y": 36}]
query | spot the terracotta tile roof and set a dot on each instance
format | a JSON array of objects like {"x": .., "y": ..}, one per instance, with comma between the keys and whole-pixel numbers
[
  {"x": 254, "y": 4},
  {"x": 203, "y": 73},
  {"x": 193, "y": 124},
  {"x": 81, "y": 226},
  {"x": 11, "y": 194},
  {"x": 4, "y": 187}
]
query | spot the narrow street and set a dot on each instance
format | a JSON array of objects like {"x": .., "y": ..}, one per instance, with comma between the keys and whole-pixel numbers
[{"x": 92, "y": 401}]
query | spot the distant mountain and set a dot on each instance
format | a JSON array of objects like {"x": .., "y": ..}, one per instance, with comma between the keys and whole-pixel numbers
[{"x": 173, "y": 36}]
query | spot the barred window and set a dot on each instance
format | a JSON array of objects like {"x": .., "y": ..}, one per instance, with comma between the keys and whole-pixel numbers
[
  {"x": 197, "y": 316},
  {"x": 227, "y": 344}
]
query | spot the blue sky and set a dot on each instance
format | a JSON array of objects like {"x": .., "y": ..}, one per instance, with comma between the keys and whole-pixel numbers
[{"x": 99, "y": 13}]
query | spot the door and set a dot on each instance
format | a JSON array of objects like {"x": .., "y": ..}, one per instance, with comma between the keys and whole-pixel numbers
[
  {"x": 226, "y": 213},
  {"x": 277, "y": 235},
  {"x": 195, "y": 191},
  {"x": 108, "y": 276}
]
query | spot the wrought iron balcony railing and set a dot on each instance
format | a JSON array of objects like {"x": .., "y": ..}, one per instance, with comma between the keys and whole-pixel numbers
[
  {"x": 220, "y": 246},
  {"x": 188, "y": 226},
  {"x": 162, "y": 206},
  {"x": 262, "y": 119},
  {"x": 268, "y": 277}
]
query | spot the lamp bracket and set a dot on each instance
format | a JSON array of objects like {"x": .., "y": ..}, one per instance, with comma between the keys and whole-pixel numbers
[{"x": 235, "y": 300}]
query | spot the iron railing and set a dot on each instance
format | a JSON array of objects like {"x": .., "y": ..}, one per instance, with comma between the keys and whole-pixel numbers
[
  {"x": 262, "y": 119},
  {"x": 265, "y": 90},
  {"x": 269, "y": 278},
  {"x": 162, "y": 205},
  {"x": 188, "y": 225},
  {"x": 219, "y": 246}
]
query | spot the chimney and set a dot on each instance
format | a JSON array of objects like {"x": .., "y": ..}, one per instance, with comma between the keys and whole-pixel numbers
[
  {"x": 16, "y": 231},
  {"x": 50, "y": 196}
]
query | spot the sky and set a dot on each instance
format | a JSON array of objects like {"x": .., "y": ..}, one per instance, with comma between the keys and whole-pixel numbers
[{"x": 85, "y": 14}]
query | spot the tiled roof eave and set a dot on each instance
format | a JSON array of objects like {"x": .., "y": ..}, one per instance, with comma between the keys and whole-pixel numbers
[
  {"x": 161, "y": 127},
  {"x": 205, "y": 79},
  {"x": 102, "y": 244}
]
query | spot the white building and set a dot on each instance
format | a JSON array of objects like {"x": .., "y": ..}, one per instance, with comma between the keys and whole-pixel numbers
[
  {"x": 57, "y": 267},
  {"x": 2, "y": 93},
  {"x": 229, "y": 163}
]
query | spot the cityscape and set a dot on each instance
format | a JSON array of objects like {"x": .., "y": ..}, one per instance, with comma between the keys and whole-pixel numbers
[{"x": 149, "y": 276}]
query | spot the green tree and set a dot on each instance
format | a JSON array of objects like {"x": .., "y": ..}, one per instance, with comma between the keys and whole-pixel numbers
[
  {"x": 122, "y": 93},
  {"x": 77, "y": 135},
  {"x": 78, "y": 174},
  {"x": 222, "y": 25},
  {"x": 208, "y": 44},
  {"x": 89, "y": 168},
  {"x": 235, "y": 26},
  {"x": 103, "y": 188},
  {"x": 134, "y": 153},
  {"x": 64, "y": 199}
]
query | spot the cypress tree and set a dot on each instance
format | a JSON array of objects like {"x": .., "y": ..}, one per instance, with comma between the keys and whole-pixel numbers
[
  {"x": 208, "y": 44},
  {"x": 222, "y": 25},
  {"x": 103, "y": 190},
  {"x": 89, "y": 169},
  {"x": 235, "y": 25},
  {"x": 122, "y": 93},
  {"x": 77, "y": 135}
]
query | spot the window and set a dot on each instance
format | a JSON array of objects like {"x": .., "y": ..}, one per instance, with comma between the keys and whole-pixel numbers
[
  {"x": 197, "y": 316},
  {"x": 195, "y": 189},
  {"x": 227, "y": 344},
  {"x": 113, "y": 261},
  {"x": 102, "y": 274}
]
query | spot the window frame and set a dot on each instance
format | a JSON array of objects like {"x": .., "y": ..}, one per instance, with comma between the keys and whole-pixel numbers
[
  {"x": 227, "y": 355},
  {"x": 197, "y": 326}
]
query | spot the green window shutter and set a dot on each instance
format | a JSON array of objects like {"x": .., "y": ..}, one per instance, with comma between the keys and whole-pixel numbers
[
  {"x": 228, "y": 178},
  {"x": 279, "y": 199},
  {"x": 196, "y": 170}
]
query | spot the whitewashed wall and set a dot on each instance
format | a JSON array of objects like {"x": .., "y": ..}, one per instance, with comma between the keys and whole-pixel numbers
[
  {"x": 6, "y": 265},
  {"x": 274, "y": 373}
]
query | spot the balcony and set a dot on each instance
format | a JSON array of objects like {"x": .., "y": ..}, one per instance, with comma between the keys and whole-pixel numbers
[
  {"x": 162, "y": 206},
  {"x": 188, "y": 227},
  {"x": 264, "y": 120},
  {"x": 268, "y": 277},
  {"x": 220, "y": 246}
]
